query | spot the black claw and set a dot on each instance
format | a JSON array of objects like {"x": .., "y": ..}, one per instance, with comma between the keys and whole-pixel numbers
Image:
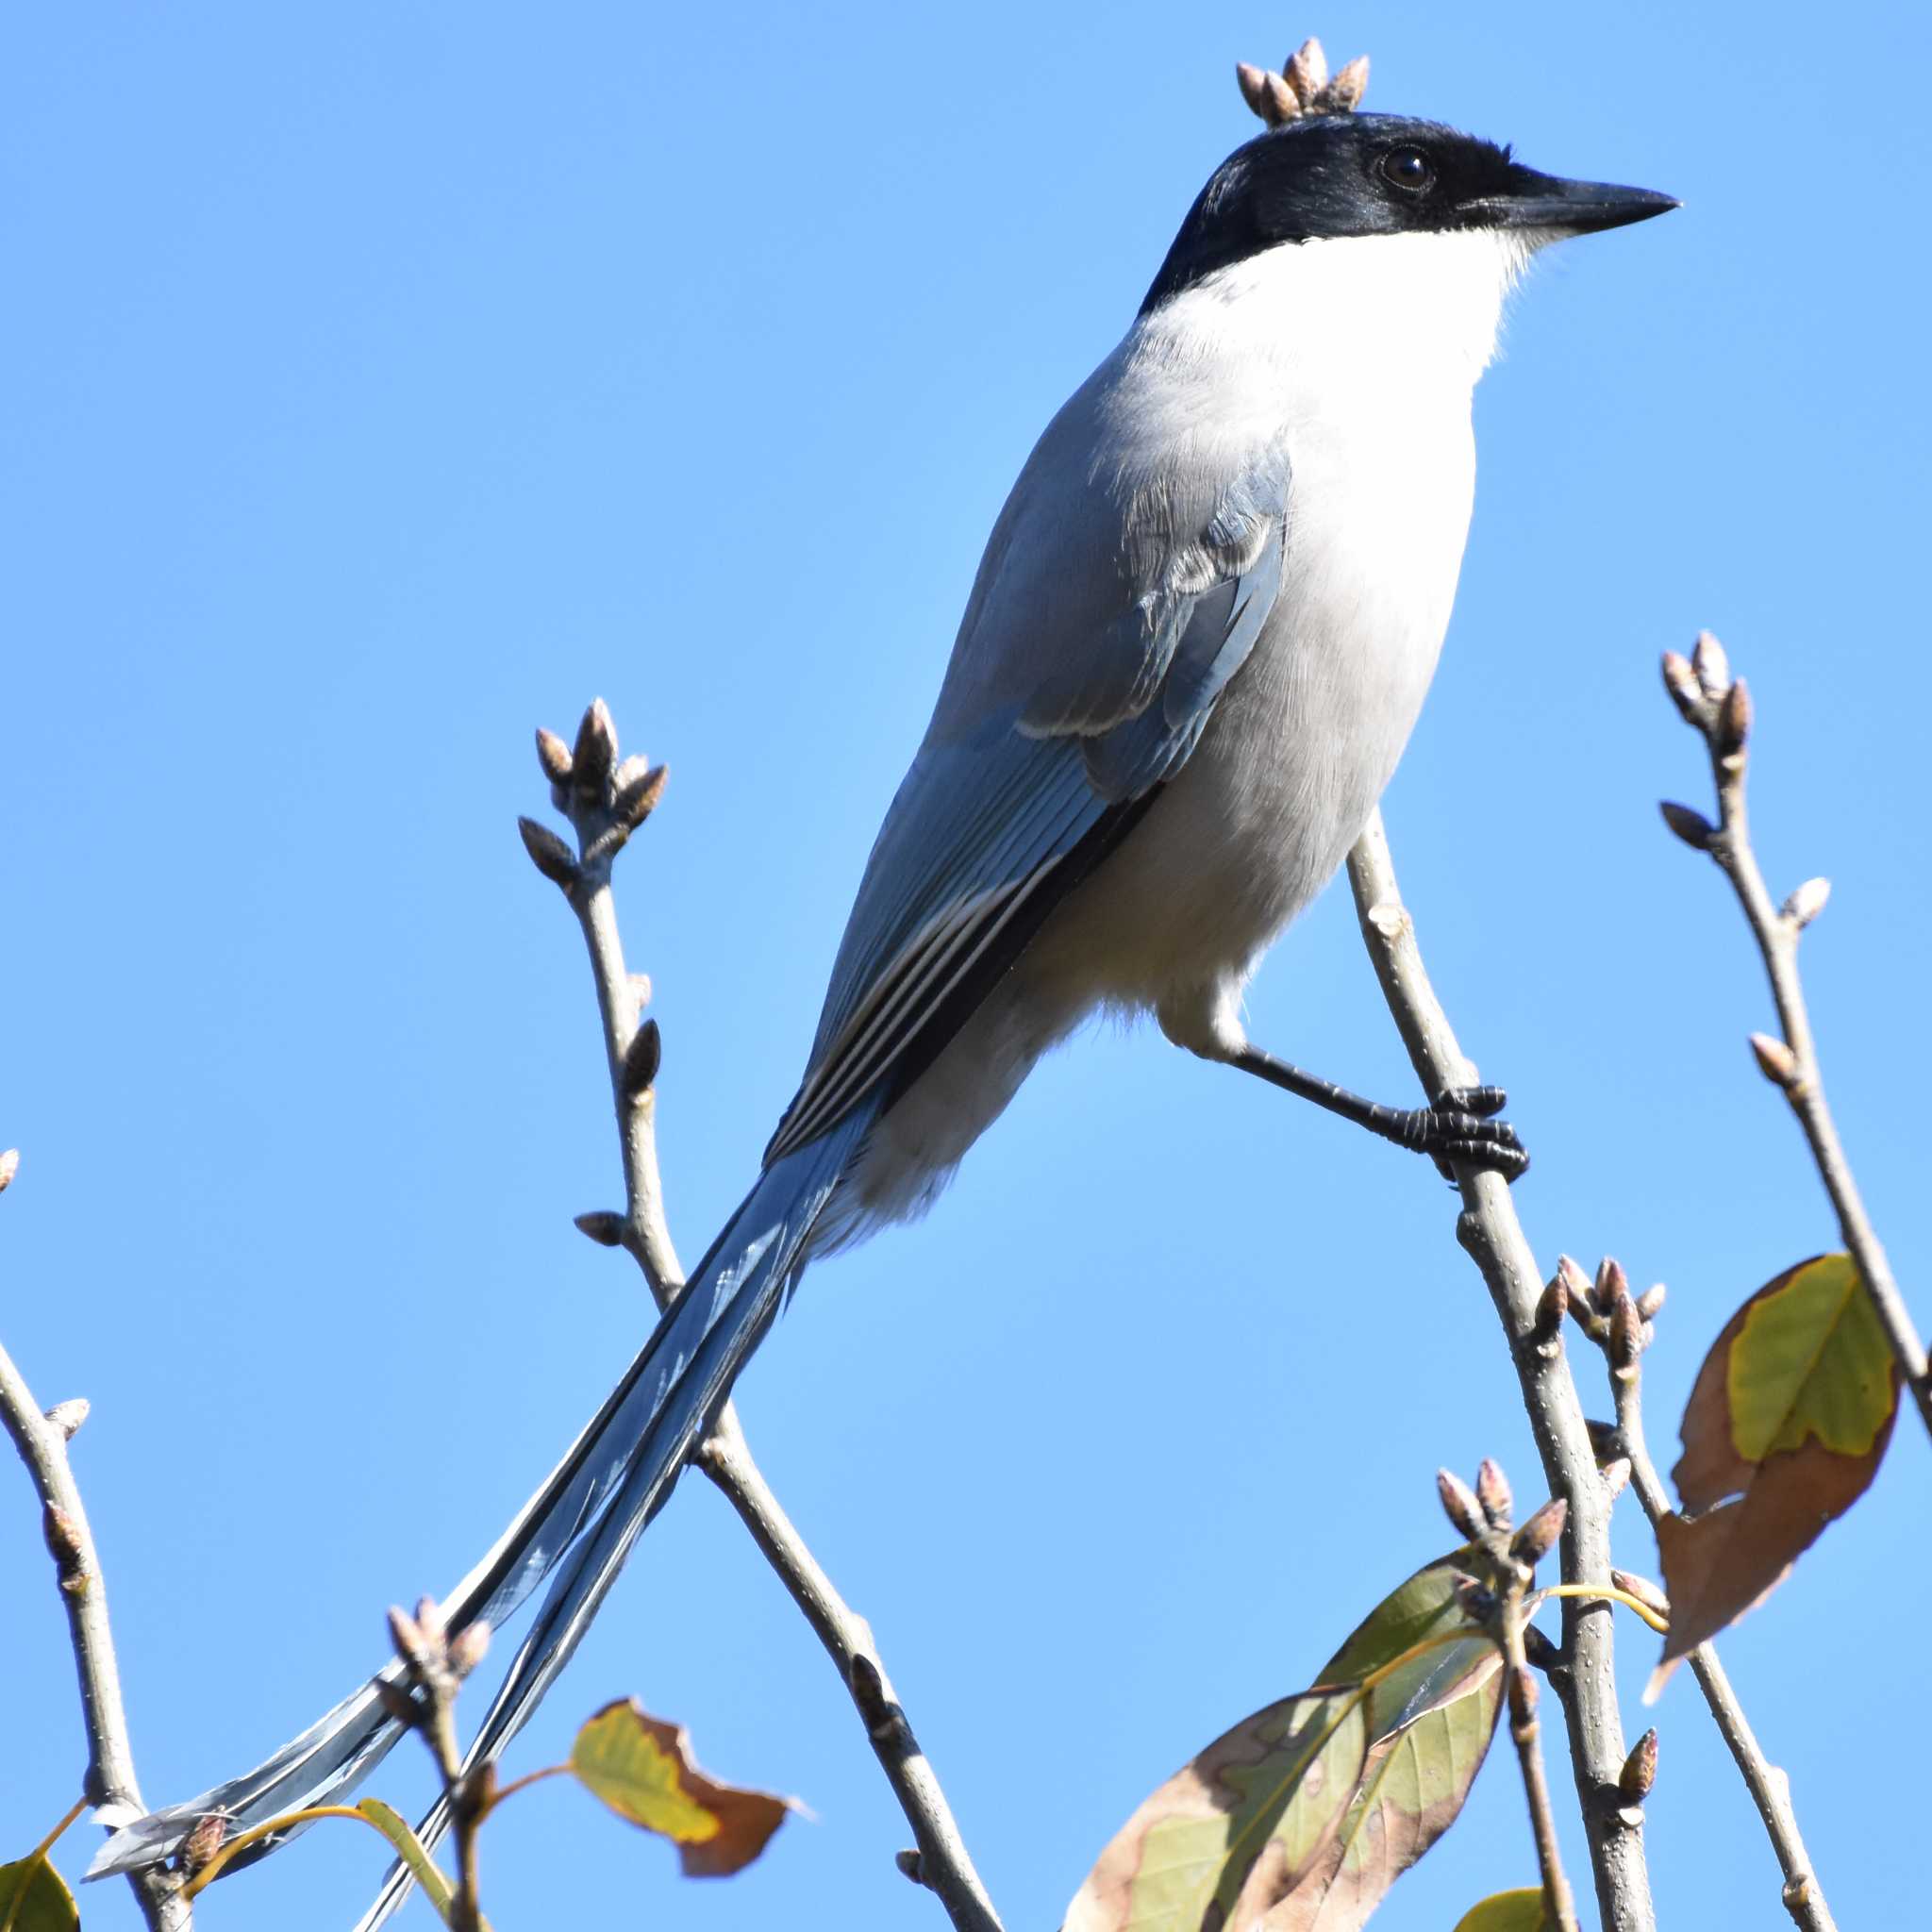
[
  {"x": 1458, "y": 1128},
  {"x": 1481, "y": 1101}
]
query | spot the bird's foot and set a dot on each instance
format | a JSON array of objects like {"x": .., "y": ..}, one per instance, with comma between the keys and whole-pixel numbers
[{"x": 1461, "y": 1126}]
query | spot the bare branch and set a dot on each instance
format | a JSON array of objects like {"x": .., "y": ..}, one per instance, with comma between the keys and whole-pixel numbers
[
  {"x": 1487, "y": 1228},
  {"x": 605, "y": 805},
  {"x": 42, "y": 1440},
  {"x": 1520, "y": 1684},
  {"x": 1804, "y": 1897},
  {"x": 1721, "y": 713}
]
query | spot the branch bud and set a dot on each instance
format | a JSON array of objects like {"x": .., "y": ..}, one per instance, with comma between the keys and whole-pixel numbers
[
  {"x": 407, "y": 1637},
  {"x": 1626, "y": 1337},
  {"x": 1692, "y": 827},
  {"x": 429, "y": 1621},
  {"x": 1537, "y": 1537},
  {"x": 1808, "y": 902},
  {"x": 1733, "y": 721},
  {"x": 911, "y": 1864},
  {"x": 1776, "y": 1060},
  {"x": 641, "y": 1059},
  {"x": 1539, "y": 1649},
  {"x": 1492, "y": 1493},
  {"x": 1639, "y": 1769},
  {"x": 548, "y": 853},
  {"x": 68, "y": 1416},
  {"x": 397, "y": 1705},
  {"x": 1651, "y": 1300},
  {"x": 553, "y": 755},
  {"x": 1647, "y": 1592},
  {"x": 1712, "y": 667},
  {"x": 65, "y": 1546},
  {"x": 636, "y": 796},
  {"x": 1459, "y": 1504},
  {"x": 1546, "y": 1325},
  {"x": 595, "y": 751},
  {"x": 9, "y": 1166},
  {"x": 1576, "y": 1292},
  {"x": 1681, "y": 682},
  {"x": 1611, "y": 1285},
  {"x": 602, "y": 1227}
]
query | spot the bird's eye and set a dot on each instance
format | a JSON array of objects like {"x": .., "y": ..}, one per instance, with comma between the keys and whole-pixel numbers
[{"x": 1410, "y": 169}]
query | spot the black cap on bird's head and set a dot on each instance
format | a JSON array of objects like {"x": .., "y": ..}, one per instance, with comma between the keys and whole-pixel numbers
[{"x": 1324, "y": 170}]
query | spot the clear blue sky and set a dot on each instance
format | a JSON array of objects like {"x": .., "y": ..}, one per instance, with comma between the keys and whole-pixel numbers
[{"x": 387, "y": 379}]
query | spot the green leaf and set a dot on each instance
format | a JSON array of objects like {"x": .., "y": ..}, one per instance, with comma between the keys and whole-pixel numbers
[
  {"x": 1810, "y": 1361},
  {"x": 1508, "y": 1911},
  {"x": 641, "y": 1767},
  {"x": 1232, "y": 1834},
  {"x": 422, "y": 1868},
  {"x": 34, "y": 1898}
]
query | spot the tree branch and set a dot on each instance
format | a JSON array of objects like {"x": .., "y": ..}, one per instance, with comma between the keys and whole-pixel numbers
[
  {"x": 1487, "y": 1228},
  {"x": 42, "y": 1440},
  {"x": 1719, "y": 709},
  {"x": 1804, "y": 1897},
  {"x": 604, "y": 803}
]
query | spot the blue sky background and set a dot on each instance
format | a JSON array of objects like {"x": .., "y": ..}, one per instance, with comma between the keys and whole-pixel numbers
[{"x": 387, "y": 379}]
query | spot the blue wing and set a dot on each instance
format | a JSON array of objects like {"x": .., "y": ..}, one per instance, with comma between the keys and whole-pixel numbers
[{"x": 1014, "y": 797}]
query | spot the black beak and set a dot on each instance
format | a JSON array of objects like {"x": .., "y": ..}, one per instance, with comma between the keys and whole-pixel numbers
[{"x": 1575, "y": 207}]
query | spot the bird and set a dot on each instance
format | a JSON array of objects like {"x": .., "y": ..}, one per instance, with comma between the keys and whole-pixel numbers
[{"x": 1194, "y": 649}]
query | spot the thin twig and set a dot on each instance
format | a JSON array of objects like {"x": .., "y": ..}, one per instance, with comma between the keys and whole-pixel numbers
[
  {"x": 600, "y": 799},
  {"x": 43, "y": 1443},
  {"x": 1770, "y": 1789},
  {"x": 1559, "y": 1903},
  {"x": 1719, "y": 709},
  {"x": 1488, "y": 1230}
]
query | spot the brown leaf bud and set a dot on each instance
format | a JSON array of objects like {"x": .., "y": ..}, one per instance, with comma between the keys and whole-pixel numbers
[
  {"x": 1492, "y": 1493},
  {"x": 1281, "y": 104},
  {"x": 602, "y": 1227},
  {"x": 1616, "y": 1476},
  {"x": 1576, "y": 1292},
  {"x": 1611, "y": 1284},
  {"x": 911, "y": 1864},
  {"x": 1692, "y": 827},
  {"x": 1552, "y": 1305},
  {"x": 1459, "y": 1504},
  {"x": 63, "y": 1541},
  {"x": 1649, "y": 1594},
  {"x": 638, "y": 799},
  {"x": 641, "y": 1059},
  {"x": 407, "y": 1637},
  {"x": 199, "y": 1847},
  {"x": 548, "y": 853},
  {"x": 1539, "y": 1649},
  {"x": 595, "y": 751},
  {"x": 1343, "y": 95},
  {"x": 1252, "y": 82},
  {"x": 467, "y": 1647},
  {"x": 1651, "y": 1300},
  {"x": 1626, "y": 1336},
  {"x": 429, "y": 1621},
  {"x": 1537, "y": 1537},
  {"x": 9, "y": 1166},
  {"x": 1776, "y": 1060},
  {"x": 1639, "y": 1769},
  {"x": 68, "y": 1416},
  {"x": 1306, "y": 70},
  {"x": 1681, "y": 682},
  {"x": 397, "y": 1705},
  {"x": 1713, "y": 668},
  {"x": 553, "y": 755},
  {"x": 1808, "y": 902},
  {"x": 1733, "y": 721}
]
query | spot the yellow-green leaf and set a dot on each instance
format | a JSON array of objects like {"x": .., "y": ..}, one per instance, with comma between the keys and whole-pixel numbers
[
  {"x": 1811, "y": 1361},
  {"x": 1508, "y": 1911},
  {"x": 1783, "y": 1433},
  {"x": 422, "y": 1868},
  {"x": 641, "y": 1767},
  {"x": 34, "y": 1898},
  {"x": 1233, "y": 1833}
]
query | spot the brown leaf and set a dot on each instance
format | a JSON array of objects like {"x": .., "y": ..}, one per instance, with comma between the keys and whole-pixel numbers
[{"x": 641, "y": 1767}]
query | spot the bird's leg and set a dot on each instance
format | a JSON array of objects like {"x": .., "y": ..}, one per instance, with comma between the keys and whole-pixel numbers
[{"x": 1459, "y": 1126}]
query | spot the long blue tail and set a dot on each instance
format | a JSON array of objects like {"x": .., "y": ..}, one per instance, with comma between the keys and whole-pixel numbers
[{"x": 580, "y": 1524}]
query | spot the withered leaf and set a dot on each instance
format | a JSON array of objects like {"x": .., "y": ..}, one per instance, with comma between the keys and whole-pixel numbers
[
  {"x": 1231, "y": 1835},
  {"x": 643, "y": 1768},
  {"x": 1784, "y": 1430},
  {"x": 34, "y": 1898},
  {"x": 1508, "y": 1911}
]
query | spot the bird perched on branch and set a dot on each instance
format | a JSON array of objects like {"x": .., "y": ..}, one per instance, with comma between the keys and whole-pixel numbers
[{"x": 1199, "y": 637}]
